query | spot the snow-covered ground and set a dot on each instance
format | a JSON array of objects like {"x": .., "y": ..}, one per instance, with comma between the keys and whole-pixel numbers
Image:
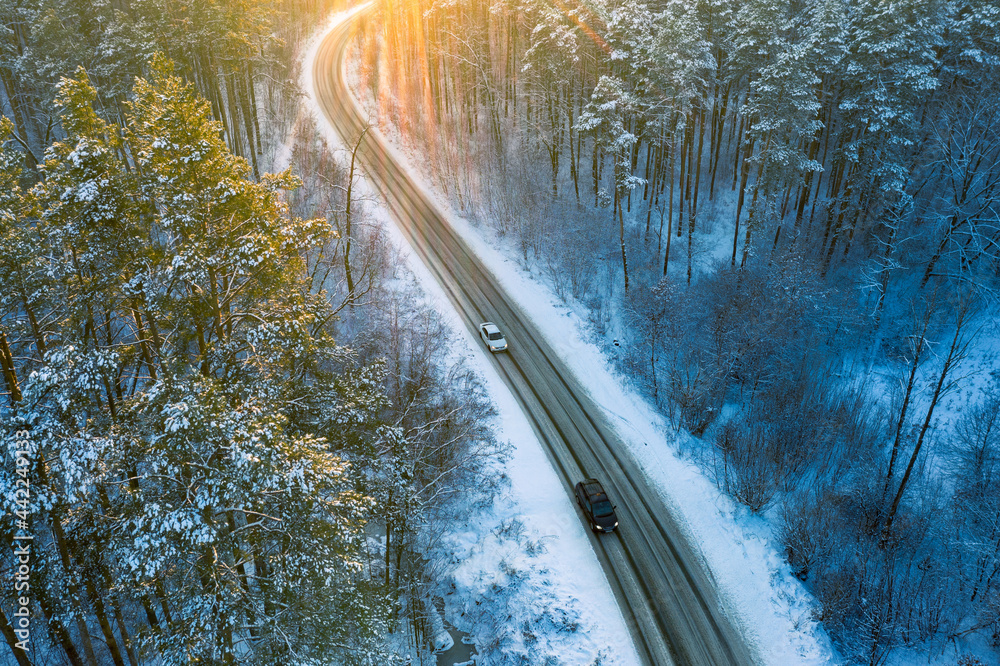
[{"x": 560, "y": 571}]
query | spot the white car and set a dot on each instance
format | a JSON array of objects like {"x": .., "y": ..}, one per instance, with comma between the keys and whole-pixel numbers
[{"x": 492, "y": 336}]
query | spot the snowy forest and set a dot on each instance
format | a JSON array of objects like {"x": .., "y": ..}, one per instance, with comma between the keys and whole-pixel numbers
[
  {"x": 228, "y": 425},
  {"x": 225, "y": 428},
  {"x": 782, "y": 217}
]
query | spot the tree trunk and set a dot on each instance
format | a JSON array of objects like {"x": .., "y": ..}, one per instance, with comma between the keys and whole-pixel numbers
[
  {"x": 573, "y": 166},
  {"x": 36, "y": 330},
  {"x": 241, "y": 573},
  {"x": 102, "y": 620},
  {"x": 718, "y": 142},
  {"x": 595, "y": 173},
  {"x": 804, "y": 194},
  {"x": 744, "y": 176},
  {"x": 697, "y": 165},
  {"x": 739, "y": 149},
  {"x": 666, "y": 253},
  {"x": 214, "y": 96},
  {"x": 9, "y": 370},
  {"x": 749, "y": 226},
  {"x": 161, "y": 596},
  {"x": 72, "y": 589},
  {"x": 617, "y": 210},
  {"x": 59, "y": 630},
  {"x": 202, "y": 346},
  {"x": 388, "y": 550},
  {"x": 954, "y": 224},
  {"x": 233, "y": 108},
  {"x": 248, "y": 118},
  {"x": 692, "y": 199},
  {"x": 141, "y": 337},
  {"x": 253, "y": 103},
  {"x": 681, "y": 181},
  {"x": 901, "y": 421},
  {"x": 120, "y": 621},
  {"x": 753, "y": 206},
  {"x": 670, "y": 206},
  {"x": 690, "y": 243},
  {"x": 9, "y": 82},
  {"x": 956, "y": 352},
  {"x": 8, "y": 634},
  {"x": 652, "y": 189}
]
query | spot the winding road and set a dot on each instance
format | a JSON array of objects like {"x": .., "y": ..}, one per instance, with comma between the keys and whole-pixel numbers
[{"x": 667, "y": 597}]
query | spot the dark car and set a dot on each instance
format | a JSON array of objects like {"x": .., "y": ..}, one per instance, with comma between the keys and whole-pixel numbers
[{"x": 594, "y": 501}]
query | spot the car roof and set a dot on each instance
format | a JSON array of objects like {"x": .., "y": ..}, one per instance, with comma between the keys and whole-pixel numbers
[
  {"x": 490, "y": 327},
  {"x": 593, "y": 488}
]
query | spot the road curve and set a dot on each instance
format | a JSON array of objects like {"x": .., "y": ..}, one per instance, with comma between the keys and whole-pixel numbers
[{"x": 666, "y": 596}]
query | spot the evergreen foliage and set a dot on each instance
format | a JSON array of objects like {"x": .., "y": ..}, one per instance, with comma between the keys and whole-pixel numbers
[{"x": 207, "y": 463}]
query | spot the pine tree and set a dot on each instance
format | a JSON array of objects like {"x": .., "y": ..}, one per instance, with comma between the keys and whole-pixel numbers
[
  {"x": 892, "y": 65},
  {"x": 180, "y": 410},
  {"x": 781, "y": 109}
]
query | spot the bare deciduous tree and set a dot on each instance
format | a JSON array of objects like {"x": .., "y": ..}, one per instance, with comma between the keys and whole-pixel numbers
[{"x": 957, "y": 351}]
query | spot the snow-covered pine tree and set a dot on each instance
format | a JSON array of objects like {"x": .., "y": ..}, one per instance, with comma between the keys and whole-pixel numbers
[
  {"x": 891, "y": 70},
  {"x": 185, "y": 412},
  {"x": 781, "y": 109}
]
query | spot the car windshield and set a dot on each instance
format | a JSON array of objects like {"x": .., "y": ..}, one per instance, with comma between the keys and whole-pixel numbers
[
  {"x": 496, "y": 336},
  {"x": 603, "y": 508}
]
